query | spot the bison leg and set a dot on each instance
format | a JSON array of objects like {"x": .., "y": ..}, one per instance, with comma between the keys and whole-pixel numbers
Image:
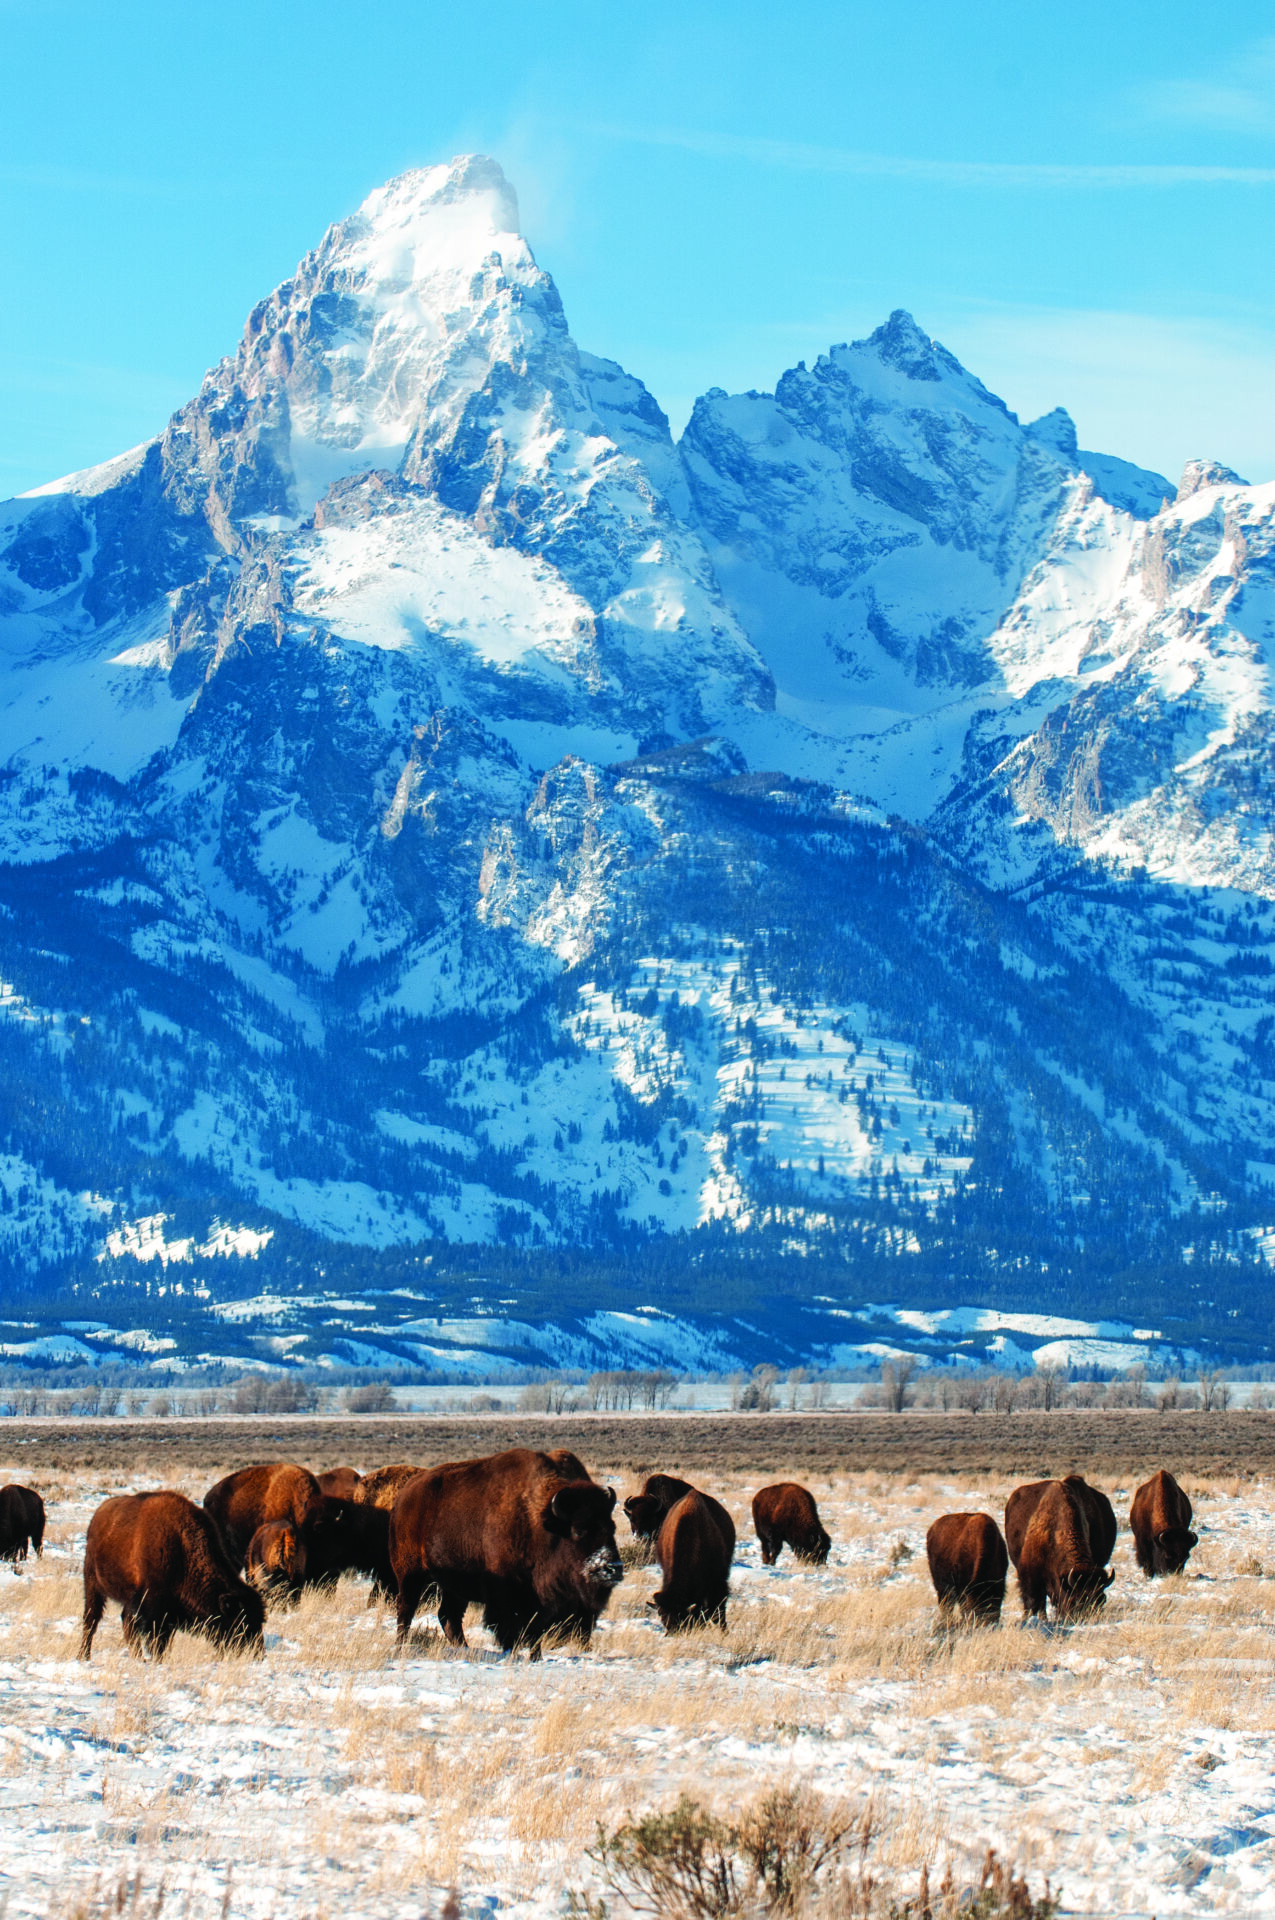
[
  {"x": 769, "y": 1548},
  {"x": 94, "y": 1607},
  {"x": 411, "y": 1591},
  {"x": 1032, "y": 1593},
  {"x": 134, "y": 1632}
]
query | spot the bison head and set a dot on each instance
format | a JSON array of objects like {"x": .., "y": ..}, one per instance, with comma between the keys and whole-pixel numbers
[
  {"x": 583, "y": 1514},
  {"x": 644, "y": 1514},
  {"x": 1083, "y": 1590},
  {"x": 1172, "y": 1549},
  {"x": 239, "y": 1621}
]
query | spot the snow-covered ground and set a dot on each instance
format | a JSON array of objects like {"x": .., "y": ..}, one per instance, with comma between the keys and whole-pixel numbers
[{"x": 1128, "y": 1760}]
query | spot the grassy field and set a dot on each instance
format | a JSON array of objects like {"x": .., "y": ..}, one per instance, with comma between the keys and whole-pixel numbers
[{"x": 1127, "y": 1759}]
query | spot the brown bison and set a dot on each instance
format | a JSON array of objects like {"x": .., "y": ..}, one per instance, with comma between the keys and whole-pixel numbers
[
  {"x": 968, "y": 1564},
  {"x": 380, "y": 1489},
  {"x": 21, "y": 1523},
  {"x": 276, "y": 1560},
  {"x": 785, "y": 1515},
  {"x": 695, "y": 1547},
  {"x": 344, "y": 1482},
  {"x": 162, "y": 1558},
  {"x": 354, "y": 1539},
  {"x": 532, "y": 1544},
  {"x": 646, "y": 1510},
  {"x": 1060, "y": 1535},
  {"x": 276, "y": 1490},
  {"x": 1160, "y": 1521}
]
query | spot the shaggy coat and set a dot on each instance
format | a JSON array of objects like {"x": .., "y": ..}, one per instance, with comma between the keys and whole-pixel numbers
[
  {"x": 785, "y": 1515},
  {"x": 1160, "y": 1521},
  {"x": 356, "y": 1539},
  {"x": 533, "y": 1546},
  {"x": 968, "y": 1565},
  {"x": 342, "y": 1482},
  {"x": 162, "y": 1558},
  {"x": 21, "y": 1523},
  {"x": 381, "y": 1488},
  {"x": 1064, "y": 1547},
  {"x": 646, "y": 1510},
  {"x": 277, "y": 1490},
  {"x": 1022, "y": 1504},
  {"x": 276, "y": 1560},
  {"x": 695, "y": 1547}
]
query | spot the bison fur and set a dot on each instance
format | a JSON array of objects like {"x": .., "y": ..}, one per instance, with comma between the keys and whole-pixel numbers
[
  {"x": 785, "y": 1515},
  {"x": 21, "y": 1523},
  {"x": 1063, "y": 1548},
  {"x": 1160, "y": 1521},
  {"x": 695, "y": 1547},
  {"x": 163, "y": 1560},
  {"x": 968, "y": 1565}
]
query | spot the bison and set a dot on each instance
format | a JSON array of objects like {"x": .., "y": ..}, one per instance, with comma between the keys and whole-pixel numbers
[
  {"x": 532, "y": 1544},
  {"x": 1160, "y": 1521},
  {"x": 381, "y": 1488},
  {"x": 694, "y": 1547},
  {"x": 968, "y": 1564},
  {"x": 1061, "y": 1548},
  {"x": 162, "y": 1558},
  {"x": 353, "y": 1539},
  {"x": 343, "y": 1482},
  {"x": 276, "y": 1560},
  {"x": 646, "y": 1510},
  {"x": 21, "y": 1523},
  {"x": 785, "y": 1515},
  {"x": 276, "y": 1490}
]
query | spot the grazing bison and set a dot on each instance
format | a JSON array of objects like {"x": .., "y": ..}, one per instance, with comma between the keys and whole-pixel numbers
[
  {"x": 1160, "y": 1521},
  {"x": 533, "y": 1545},
  {"x": 968, "y": 1564},
  {"x": 695, "y": 1547},
  {"x": 276, "y": 1560},
  {"x": 646, "y": 1510},
  {"x": 344, "y": 1482},
  {"x": 162, "y": 1558},
  {"x": 785, "y": 1515},
  {"x": 381, "y": 1489},
  {"x": 354, "y": 1539},
  {"x": 21, "y": 1523},
  {"x": 1062, "y": 1549},
  {"x": 277, "y": 1490}
]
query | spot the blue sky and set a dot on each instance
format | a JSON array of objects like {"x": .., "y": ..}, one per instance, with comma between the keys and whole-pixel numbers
[{"x": 1078, "y": 201}]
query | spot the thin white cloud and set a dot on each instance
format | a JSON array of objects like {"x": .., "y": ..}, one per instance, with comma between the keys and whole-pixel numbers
[
  {"x": 801, "y": 156},
  {"x": 1238, "y": 99}
]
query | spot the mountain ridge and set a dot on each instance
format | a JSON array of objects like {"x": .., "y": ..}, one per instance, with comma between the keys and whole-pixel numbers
[{"x": 438, "y": 812}]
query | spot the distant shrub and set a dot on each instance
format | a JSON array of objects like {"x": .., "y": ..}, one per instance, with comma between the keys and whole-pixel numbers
[
  {"x": 375, "y": 1397},
  {"x": 258, "y": 1393}
]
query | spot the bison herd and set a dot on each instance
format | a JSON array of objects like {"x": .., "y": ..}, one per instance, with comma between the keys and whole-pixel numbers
[
  {"x": 530, "y": 1539},
  {"x": 1060, "y": 1534}
]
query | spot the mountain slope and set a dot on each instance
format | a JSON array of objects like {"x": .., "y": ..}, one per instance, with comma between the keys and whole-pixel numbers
[{"x": 441, "y": 819}]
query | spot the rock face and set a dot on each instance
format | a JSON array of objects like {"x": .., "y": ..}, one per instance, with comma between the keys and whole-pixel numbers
[{"x": 438, "y": 812}]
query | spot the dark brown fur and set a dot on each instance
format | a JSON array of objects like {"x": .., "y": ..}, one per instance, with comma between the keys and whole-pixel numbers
[
  {"x": 162, "y": 1558},
  {"x": 1067, "y": 1540},
  {"x": 695, "y": 1547},
  {"x": 381, "y": 1488},
  {"x": 533, "y": 1545},
  {"x": 276, "y": 1560},
  {"x": 21, "y": 1522},
  {"x": 1160, "y": 1521},
  {"x": 276, "y": 1490},
  {"x": 342, "y": 1482},
  {"x": 354, "y": 1539},
  {"x": 646, "y": 1510},
  {"x": 785, "y": 1515},
  {"x": 968, "y": 1565}
]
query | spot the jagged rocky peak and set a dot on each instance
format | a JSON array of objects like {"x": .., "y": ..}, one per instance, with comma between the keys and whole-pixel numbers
[{"x": 1197, "y": 474}]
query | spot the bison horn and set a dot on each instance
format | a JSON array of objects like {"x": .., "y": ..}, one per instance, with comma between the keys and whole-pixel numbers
[
  {"x": 611, "y": 1497},
  {"x": 1108, "y": 1576},
  {"x": 1161, "y": 1537}
]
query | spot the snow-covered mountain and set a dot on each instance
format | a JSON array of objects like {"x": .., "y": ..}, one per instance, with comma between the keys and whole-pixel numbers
[{"x": 448, "y": 830}]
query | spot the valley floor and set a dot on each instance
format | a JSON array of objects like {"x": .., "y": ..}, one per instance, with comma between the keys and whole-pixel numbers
[{"x": 1128, "y": 1760}]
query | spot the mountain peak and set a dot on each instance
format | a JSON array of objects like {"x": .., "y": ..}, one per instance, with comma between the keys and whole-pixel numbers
[
  {"x": 902, "y": 344},
  {"x": 1206, "y": 473}
]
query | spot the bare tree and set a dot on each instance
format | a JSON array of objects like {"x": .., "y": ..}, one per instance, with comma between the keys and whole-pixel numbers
[
  {"x": 1005, "y": 1389},
  {"x": 796, "y": 1381},
  {"x": 1215, "y": 1394},
  {"x": 817, "y": 1393},
  {"x": 1051, "y": 1381},
  {"x": 896, "y": 1379},
  {"x": 971, "y": 1392}
]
